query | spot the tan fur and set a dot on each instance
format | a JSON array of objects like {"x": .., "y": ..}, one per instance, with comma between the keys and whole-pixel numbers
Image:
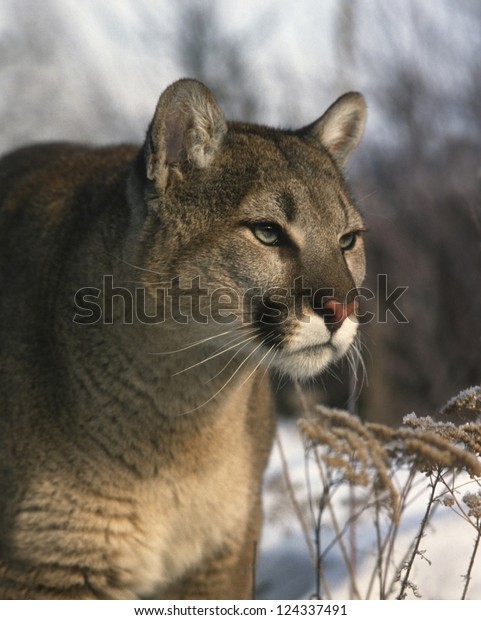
[{"x": 132, "y": 452}]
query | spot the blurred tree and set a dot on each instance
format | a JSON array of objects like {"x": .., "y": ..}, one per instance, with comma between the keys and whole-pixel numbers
[
  {"x": 420, "y": 175},
  {"x": 345, "y": 38},
  {"x": 82, "y": 71},
  {"x": 204, "y": 50},
  {"x": 48, "y": 90}
]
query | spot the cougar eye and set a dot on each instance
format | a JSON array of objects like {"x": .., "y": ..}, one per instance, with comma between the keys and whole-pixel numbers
[
  {"x": 269, "y": 234},
  {"x": 347, "y": 241}
]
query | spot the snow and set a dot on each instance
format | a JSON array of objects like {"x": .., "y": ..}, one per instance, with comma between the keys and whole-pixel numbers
[{"x": 286, "y": 571}]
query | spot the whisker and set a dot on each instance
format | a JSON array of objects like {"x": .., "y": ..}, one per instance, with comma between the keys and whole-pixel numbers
[
  {"x": 196, "y": 344},
  {"x": 125, "y": 262},
  {"x": 258, "y": 364},
  {"x": 232, "y": 346},
  {"x": 331, "y": 371},
  {"x": 271, "y": 361},
  {"x": 236, "y": 336},
  {"x": 280, "y": 377},
  {"x": 357, "y": 367},
  {"x": 230, "y": 360},
  {"x": 253, "y": 352},
  {"x": 158, "y": 283},
  {"x": 358, "y": 352}
]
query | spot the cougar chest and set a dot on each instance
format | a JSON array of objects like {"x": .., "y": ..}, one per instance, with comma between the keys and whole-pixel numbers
[{"x": 188, "y": 512}]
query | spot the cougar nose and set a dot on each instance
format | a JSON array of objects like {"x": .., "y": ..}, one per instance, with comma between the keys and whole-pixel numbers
[{"x": 334, "y": 313}]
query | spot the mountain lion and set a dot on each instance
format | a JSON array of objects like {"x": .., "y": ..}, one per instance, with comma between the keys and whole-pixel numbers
[{"x": 145, "y": 296}]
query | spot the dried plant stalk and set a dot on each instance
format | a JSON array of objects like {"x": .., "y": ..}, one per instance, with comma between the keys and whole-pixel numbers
[
  {"x": 467, "y": 400},
  {"x": 368, "y": 455}
]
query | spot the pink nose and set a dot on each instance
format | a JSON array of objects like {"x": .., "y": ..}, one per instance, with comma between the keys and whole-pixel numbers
[{"x": 335, "y": 313}]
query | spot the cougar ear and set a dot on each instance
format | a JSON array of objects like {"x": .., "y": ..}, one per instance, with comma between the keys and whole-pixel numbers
[
  {"x": 188, "y": 127},
  {"x": 341, "y": 127}
]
